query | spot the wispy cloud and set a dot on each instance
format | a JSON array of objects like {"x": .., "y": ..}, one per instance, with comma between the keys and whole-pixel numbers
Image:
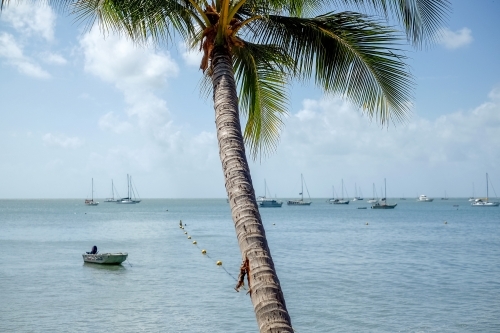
[
  {"x": 138, "y": 73},
  {"x": 30, "y": 18},
  {"x": 192, "y": 57},
  {"x": 53, "y": 58},
  {"x": 61, "y": 140},
  {"x": 454, "y": 39},
  {"x": 111, "y": 122},
  {"x": 13, "y": 53}
]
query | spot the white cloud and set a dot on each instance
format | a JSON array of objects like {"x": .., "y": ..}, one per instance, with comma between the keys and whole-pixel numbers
[
  {"x": 329, "y": 140},
  {"x": 192, "y": 57},
  {"x": 30, "y": 18},
  {"x": 454, "y": 39},
  {"x": 53, "y": 58},
  {"x": 110, "y": 121},
  {"x": 138, "y": 73},
  {"x": 61, "y": 140},
  {"x": 13, "y": 53}
]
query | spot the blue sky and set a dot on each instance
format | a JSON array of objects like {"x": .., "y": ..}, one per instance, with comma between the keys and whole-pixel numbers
[{"x": 76, "y": 106}]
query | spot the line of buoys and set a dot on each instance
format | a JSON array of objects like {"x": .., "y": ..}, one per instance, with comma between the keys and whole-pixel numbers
[{"x": 203, "y": 251}]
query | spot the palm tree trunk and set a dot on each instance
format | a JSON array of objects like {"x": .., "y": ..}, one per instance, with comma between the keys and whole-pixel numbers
[{"x": 265, "y": 290}]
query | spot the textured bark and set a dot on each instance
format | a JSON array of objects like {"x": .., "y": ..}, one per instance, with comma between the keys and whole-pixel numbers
[{"x": 265, "y": 290}]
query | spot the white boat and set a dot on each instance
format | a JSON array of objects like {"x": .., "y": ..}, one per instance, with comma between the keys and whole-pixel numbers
[
  {"x": 105, "y": 258},
  {"x": 341, "y": 201},
  {"x": 373, "y": 200},
  {"x": 91, "y": 202},
  {"x": 424, "y": 198},
  {"x": 130, "y": 199},
  {"x": 382, "y": 204},
  {"x": 445, "y": 197},
  {"x": 95, "y": 257},
  {"x": 485, "y": 203},
  {"x": 473, "y": 194},
  {"x": 112, "y": 198},
  {"x": 300, "y": 202},
  {"x": 264, "y": 201},
  {"x": 356, "y": 197}
]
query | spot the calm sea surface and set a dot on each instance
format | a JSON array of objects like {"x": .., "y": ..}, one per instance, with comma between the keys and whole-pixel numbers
[{"x": 406, "y": 271}]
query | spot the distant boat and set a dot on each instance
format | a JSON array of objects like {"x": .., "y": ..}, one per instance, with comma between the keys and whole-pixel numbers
[
  {"x": 91, "y": 202},
  {"x": 473, "y": 194},
  {"x": 264, "y": 201},
  {"x": 486, "y": 203},
  {"x": 373, "y": 200},
  {"x": 300, "y": 202},
  {"x": 340, "y": 201},
  {"x": 445, "y": 197},
  {"x": 95, "y": 257},
  {"x": 356, "y": 197},
  {"x": 112, "y": 198},
  {"x": 382, "y": 204},
  {"x": 424, "y": 198},
  {"x": 131, "y": 198}
]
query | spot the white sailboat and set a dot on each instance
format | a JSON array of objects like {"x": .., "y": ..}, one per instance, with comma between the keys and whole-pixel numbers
[
  {"x": 356, "y": 197},
  {"x": 340, "y": 201},
  {"x": 264, "y": 201},
  {"x": 486, "y": 203},
  {"x": 300, "y": 202},
  {"x": 131, "y": 198},
  {"x": 382, "y": 204},
  {"x": 473, "y": 194},
  {"x": 373, "y": 199},
  {"x": 112, "y": 198},
  {"x": 91, "y": 202}
]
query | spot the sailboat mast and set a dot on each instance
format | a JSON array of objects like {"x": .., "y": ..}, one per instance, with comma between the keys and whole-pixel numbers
[
  {"x": 342, "y": 189},
  {"x": 486, "y": 187},
  {"x": 385, "y": 190},
  {"x": 301, "y": 187}
]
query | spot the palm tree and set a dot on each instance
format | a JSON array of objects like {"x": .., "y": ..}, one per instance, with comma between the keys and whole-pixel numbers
[{"x": 258, "y": 46}]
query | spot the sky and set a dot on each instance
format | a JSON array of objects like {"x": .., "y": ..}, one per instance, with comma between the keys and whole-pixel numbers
[{"x": 77, "y": 104}]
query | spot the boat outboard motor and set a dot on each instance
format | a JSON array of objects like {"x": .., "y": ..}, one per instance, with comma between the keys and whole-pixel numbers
[{"x": 93, "y": 251}]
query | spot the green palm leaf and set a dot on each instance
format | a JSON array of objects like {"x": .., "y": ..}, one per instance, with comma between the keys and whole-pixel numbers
[
  {"x": 347, "y": 54},
  {"x": 260, "y": 72}
]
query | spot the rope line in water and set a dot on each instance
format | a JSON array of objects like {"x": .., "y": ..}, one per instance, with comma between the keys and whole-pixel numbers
[{"x": 206, "y": 253}]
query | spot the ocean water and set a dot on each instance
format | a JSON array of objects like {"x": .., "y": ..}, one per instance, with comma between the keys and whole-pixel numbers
[{"x": 406, "y": 271}]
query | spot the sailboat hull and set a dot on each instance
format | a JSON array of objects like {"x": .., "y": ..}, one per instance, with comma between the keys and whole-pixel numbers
[{"x": 298, "y": 203}]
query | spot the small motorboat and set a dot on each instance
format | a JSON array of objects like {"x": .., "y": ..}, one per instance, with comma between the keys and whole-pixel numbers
[{"x": 95, "y": 257}]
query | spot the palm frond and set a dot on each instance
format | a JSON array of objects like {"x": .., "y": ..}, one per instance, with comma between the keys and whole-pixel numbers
[
  {"x": 419, "y": 18},
  {"x": 347, "y": 54},
  {"x": 260, "y": 73},
  {"x": 140, "y": 19}
]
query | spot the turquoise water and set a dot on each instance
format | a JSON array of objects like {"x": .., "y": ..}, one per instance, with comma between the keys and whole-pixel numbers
[{"x": 406, "y": 271}]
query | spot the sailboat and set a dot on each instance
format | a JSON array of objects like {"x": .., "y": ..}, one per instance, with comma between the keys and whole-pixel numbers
[
  {"x": 300, "y": 202},
  {"x": 382, "y": 204},
  {"x": 445, "y": 197},
  {"x": 263, "y": 201},
  {"x": 373, "y": 200},
  {"x": 481, "y": 203},
  {"x": 130, "y": 199},
  {"x": 112, "y": 198},
  {"x": 356, "y": 197},
  {"x": 473, "y": 194},
  {"x": 91, "y": 202},
  {"x": 341, "y": 201}
]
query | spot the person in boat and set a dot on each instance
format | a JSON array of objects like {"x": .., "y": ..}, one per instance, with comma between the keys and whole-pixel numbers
[{"x": 93, "y": 251}]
